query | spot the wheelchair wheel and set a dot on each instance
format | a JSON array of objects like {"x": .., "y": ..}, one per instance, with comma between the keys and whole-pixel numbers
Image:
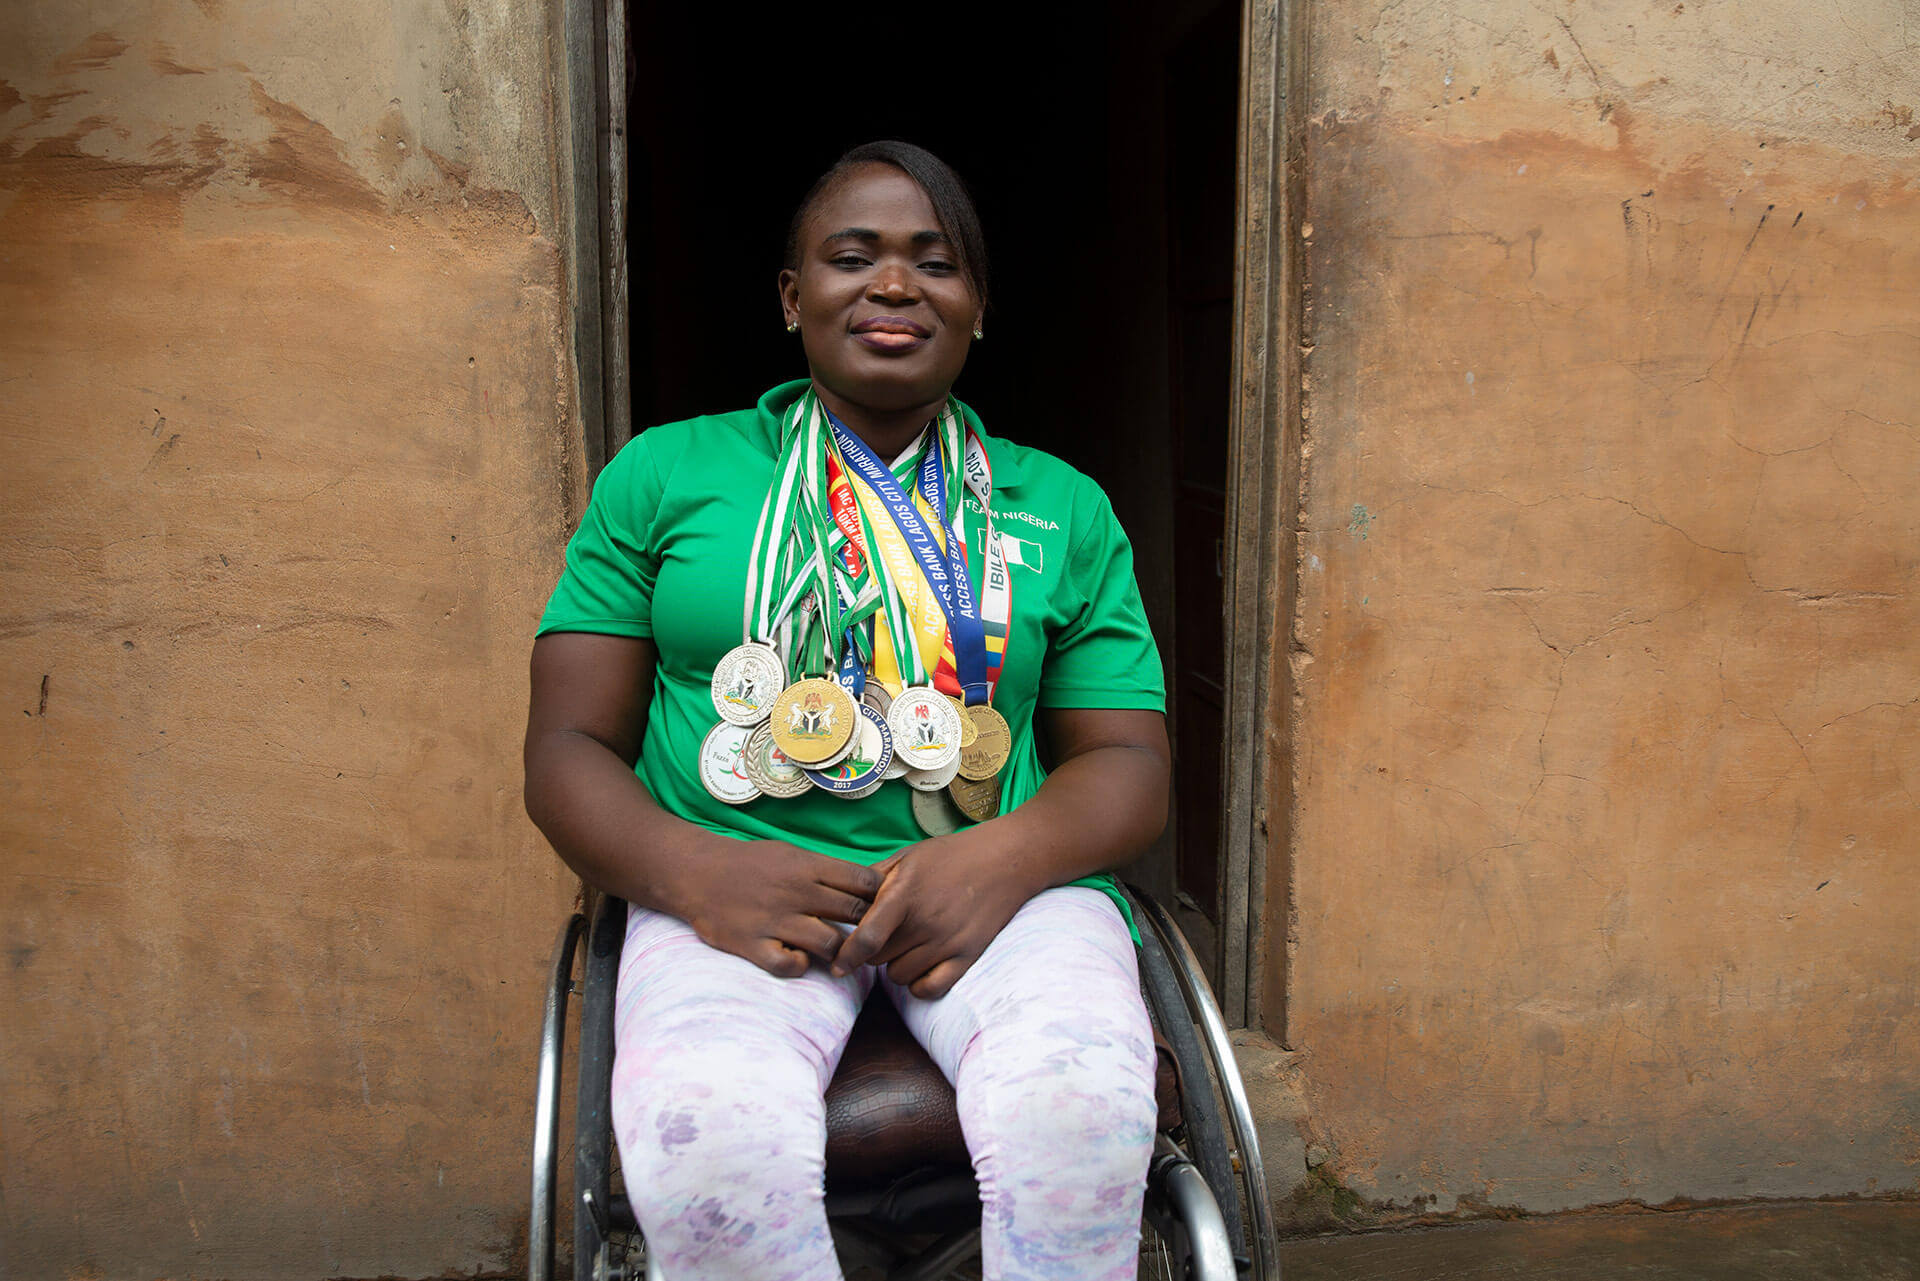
[
  {"x": 1218, "y": 1132},
  {"x": 546, "y": 1103}
]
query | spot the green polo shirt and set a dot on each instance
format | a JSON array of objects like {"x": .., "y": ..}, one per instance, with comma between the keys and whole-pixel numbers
[{"x": 662, "y": 554}]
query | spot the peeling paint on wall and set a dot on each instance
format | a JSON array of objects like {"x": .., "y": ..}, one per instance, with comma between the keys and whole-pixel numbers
[
  {"x": 289, "y": 458},
  {"x": 1606, "y": 796}
]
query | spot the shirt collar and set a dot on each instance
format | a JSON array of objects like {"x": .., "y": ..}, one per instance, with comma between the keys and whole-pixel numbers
[{"x": 775, "y": 404}]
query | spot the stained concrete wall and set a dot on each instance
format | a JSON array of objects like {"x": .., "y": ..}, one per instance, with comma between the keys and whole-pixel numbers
[
  {"x": 1608, "y": 741},
  {"x": 284, "y": 404}
]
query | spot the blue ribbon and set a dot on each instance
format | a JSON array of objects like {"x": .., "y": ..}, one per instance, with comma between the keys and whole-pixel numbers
[
  {"x": 853, "y": 672},
  {"x": 945, "y": 572}
]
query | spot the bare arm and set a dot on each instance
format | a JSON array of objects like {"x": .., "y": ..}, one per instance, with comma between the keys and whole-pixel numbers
[
  {"x": 765, "y": 900},
  {"x": 945, "y": 899}
]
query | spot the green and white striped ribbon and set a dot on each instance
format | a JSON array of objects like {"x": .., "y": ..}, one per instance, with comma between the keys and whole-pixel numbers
[{"x": 796, "y": 555}]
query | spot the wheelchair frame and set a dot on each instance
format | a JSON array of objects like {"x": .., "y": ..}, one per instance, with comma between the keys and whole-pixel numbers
[{"x": 1206, "y": 1189}]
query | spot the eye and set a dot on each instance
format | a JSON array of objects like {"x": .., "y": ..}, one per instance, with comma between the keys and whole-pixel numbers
[
  {"x": 848, "y": 261},
  {"x": 939, "y": 267}
]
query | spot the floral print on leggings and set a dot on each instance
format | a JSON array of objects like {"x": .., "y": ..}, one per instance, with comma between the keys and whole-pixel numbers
[{"x": 720, "y": 1069}]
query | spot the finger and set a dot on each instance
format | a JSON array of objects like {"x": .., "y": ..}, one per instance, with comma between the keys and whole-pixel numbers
[
  {"x": 851, "y": 878},
  {"x": 833, "y": 905},
  {"x": 875, "y": 928},
  {"x": 904, "y": 939},
  {"x": 913, "y": 964},
  {"x": 779, "y": 960},
  {"x": 811, "y": 935},
  {"x": 939, "y": 980}
]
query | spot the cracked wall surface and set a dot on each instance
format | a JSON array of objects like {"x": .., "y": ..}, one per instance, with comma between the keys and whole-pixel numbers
[
  {"x": 286, "y": 438},
  {"x": 1607, "y": 748}
]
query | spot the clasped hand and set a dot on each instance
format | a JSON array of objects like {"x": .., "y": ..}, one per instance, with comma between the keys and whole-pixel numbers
[
  {"x": 940, "y": 903},
  {"x": 927, "y": 913}
]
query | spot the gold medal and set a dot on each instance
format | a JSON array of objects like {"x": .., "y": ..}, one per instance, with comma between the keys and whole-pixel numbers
[
  {"x": 979, "y": 801},
  {"x": 992, "y": 743},
  {"x": 967, "y": 731},
  {"x": 812, "y": 721}
]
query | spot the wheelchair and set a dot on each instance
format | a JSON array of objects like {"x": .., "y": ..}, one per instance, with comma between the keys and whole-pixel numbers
[{"x": 900, "y": 1194}]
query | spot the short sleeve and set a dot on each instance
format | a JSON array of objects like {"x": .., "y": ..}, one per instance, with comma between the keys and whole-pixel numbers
[
  {"x": 1104, "y": 655},
  {"x": 612, "y": 559}
]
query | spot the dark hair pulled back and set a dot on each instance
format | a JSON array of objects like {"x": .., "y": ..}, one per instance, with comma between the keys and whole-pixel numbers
[{"x": 952, "y": 204}]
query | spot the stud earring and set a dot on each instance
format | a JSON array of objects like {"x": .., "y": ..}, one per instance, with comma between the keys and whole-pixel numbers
[
  {"x": 793, "y": 326},
  {"x": 977, "y": 335}
]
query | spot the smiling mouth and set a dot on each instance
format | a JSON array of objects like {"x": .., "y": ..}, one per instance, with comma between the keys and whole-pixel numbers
[{"x": 891, "y": 327}]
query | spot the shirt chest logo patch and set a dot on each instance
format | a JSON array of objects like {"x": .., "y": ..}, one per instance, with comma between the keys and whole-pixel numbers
[{"x": 1018, "y": 552}]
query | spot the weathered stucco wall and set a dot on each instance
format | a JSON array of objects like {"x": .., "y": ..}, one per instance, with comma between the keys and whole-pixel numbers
[
  {"x": 1607, "y": 751},
  {"x": 287, "y": 471}
]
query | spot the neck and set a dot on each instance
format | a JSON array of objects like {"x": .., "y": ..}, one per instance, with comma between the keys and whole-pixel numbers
[{"x": 885, "y": 431}]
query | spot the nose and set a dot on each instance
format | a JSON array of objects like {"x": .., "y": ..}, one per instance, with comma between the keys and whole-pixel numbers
[{"x": 890, "y": 283}]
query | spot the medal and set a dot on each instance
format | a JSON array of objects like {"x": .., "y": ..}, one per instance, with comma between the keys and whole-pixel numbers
[
  {"x": 721, "y": 768},
  {"x": 745, "y": 682},
  {"x": 864, "y": 767},
  {"x": 979, "y": 800},
  {"x": 935, "y": 813},
  {"x": 769, "y": 768},
  {"x": 967, "y": 731},
  {"x": 812, "y": 721},
  {"x": 933, "y": 780},
  {"x": 926, "y": 729},
  {"x": 992, "y": 744}
]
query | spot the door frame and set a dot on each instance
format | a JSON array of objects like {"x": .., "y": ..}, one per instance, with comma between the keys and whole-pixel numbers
[
  {"x": 1263, "y": 486},
  {"x": 593, "y": 88},
  {"x": 1263, "y": 473}
]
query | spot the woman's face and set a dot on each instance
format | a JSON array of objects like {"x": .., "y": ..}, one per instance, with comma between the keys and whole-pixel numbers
[{"x": 885, "y": 313}]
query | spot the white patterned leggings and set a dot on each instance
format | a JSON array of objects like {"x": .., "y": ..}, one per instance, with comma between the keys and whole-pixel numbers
[{"x": 720, "y": 1068}]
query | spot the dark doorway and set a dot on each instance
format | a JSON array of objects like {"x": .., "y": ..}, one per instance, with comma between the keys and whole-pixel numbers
[{"x": 1102, "y": 159}]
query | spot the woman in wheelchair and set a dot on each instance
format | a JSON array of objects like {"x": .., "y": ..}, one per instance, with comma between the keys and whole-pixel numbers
[{"x": 788, "y": 700}]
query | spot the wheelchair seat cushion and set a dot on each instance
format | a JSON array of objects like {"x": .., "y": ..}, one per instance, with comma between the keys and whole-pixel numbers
[{"x": 891, "y": 1112}]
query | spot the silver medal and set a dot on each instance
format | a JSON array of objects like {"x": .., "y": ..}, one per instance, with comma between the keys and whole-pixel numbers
[
  {"x": 745, "y": 682},
  {"x": 722, "y": 764},
  {"x": 926, "y": 728}
]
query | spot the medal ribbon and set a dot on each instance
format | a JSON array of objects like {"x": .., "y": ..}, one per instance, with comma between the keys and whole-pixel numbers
[
  {"x": 826, "y": 560},
  {"x": 996, "y": 584},
  {"x": 936, "y": 562},
  {"x": 793, "y": 547}
]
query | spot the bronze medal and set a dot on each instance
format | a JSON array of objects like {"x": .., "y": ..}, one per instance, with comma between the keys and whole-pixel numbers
[
  {"x": 992, "y": 744},
  {"x": 812, "y": 721},
  {"x": 978, "y": 800}
]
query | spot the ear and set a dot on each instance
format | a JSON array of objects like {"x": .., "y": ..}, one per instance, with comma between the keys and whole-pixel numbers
[
  {"x": 789, "y": 296},
  {"x": 980, "y": 320}
]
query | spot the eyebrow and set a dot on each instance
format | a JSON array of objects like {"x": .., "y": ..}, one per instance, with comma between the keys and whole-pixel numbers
[{"x": 868, "y": 234}]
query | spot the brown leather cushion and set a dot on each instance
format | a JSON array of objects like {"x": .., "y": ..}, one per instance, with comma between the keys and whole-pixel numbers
[{"x": 890, "y": 1111}]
